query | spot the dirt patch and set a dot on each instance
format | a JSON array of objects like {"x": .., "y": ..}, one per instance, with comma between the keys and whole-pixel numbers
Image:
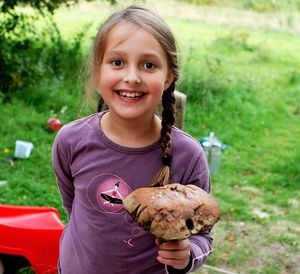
[{"x": 254, "y": 247}]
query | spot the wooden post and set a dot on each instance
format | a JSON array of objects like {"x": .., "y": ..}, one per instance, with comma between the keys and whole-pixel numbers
[{"x": 180, "y": 107}]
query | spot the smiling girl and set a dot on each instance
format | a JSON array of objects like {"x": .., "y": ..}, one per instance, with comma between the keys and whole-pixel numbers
[{"x": 134, "y": 66}]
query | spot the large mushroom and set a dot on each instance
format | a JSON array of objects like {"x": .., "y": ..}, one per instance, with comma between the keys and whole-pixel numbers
[{"x": 174, "y": 211}]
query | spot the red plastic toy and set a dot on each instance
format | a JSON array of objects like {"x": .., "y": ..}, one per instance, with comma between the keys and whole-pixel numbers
[
  {"x": 30, "y": 233},
  {"x": 54, "y": 124}
]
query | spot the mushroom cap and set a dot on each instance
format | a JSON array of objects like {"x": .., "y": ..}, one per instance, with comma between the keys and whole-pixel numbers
[{"x": 174, "y": 211}]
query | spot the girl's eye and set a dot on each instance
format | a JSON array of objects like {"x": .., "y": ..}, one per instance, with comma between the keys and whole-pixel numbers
[
  {"x": 149, "y": 65},
  {"x": 117, "y": 63}
]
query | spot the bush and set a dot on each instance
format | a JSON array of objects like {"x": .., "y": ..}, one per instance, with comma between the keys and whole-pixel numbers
[
  {"x": 32, "y": 48},
  {"x": 19, "y": 52},
  {"x": 260, "y": 5}
]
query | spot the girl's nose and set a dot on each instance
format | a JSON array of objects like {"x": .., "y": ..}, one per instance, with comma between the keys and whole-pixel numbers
[{"x": 132, "y": 76}]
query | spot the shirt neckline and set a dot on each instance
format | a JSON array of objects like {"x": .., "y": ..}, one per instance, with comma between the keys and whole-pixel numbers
[{"x": 129, "y": 150}]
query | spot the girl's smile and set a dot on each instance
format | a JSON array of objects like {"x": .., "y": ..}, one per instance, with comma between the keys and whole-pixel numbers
[{"x": 130, "y": 95}]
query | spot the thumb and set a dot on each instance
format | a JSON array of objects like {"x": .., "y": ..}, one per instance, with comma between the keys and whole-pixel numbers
[{"x": 157, "y": 241}]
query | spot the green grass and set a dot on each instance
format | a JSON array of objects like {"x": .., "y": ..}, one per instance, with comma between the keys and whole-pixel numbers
[
  {"x": 256, "y": 5},
  {"x": 243, "y": 84}
]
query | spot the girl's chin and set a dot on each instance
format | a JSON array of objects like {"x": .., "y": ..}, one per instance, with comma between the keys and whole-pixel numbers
[{"x": 130, "y": 114}]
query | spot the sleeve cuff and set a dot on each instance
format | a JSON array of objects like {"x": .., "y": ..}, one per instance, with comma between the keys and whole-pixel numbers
[{"x": 172, "y": 270}]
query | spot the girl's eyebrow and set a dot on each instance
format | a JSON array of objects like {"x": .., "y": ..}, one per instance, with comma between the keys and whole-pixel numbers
[
  {"x": 123, "y": 53},
  {"x": 116, "y": 52},
  {"x": 150, "y": 55}
]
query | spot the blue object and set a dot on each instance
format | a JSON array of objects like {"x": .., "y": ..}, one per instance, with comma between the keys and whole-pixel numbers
[{"x": 207, "y": 139}]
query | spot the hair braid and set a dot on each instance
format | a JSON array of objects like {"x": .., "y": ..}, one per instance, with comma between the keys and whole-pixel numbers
[
  {"x": 168, "y": 120},
  {"x": 102, "y": 106}
]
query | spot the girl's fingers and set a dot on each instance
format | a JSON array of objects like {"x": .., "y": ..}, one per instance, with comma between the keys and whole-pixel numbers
[
  {"x": 173, "y": 245},
  {"x": 174, "y": 255},
  {"x": 178, "y": 264},
  {"x": 174, "y": 263}
]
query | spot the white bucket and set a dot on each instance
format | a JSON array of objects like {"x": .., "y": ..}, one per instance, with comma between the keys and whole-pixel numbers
[{"x": 23, "y": 149}]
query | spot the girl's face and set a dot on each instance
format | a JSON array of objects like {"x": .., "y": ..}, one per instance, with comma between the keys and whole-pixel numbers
[{"x": 133, "y": 72}]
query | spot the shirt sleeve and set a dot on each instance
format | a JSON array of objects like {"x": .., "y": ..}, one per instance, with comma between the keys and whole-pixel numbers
[
  {"x": 61, "y": 166},
  {"x": 201, "y": 243}
]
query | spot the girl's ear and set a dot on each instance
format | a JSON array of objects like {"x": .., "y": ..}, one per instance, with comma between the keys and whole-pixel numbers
[{"x": 169, "y": 80}]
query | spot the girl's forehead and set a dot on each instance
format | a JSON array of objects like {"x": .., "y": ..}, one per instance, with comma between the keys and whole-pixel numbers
[
  {"x": 122, "y": 31},
  {"x": 126, "y": 26},
  {"x": 125, "y": 31}
]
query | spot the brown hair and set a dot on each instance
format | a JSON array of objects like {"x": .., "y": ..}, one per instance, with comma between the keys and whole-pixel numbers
[{"x": 153, "y": 23}]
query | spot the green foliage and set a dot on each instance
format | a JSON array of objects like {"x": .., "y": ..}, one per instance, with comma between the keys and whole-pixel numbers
[
  {"x": 32, "y": 48},
  {"x": 38, "y": 4},
  {"x": 18, "y": 51},
  {"x": 233, "y": 40},
  {"x": 260, "y": 5},
  {"x": 256, "y": 5},
  {"x": 46, "y": 5},
  {"x": 214, "y": 87},
  {"x": 271, "y": 5}
]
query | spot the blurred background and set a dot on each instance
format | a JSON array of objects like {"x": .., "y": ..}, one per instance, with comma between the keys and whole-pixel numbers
[{"x": 240, "y": 71}]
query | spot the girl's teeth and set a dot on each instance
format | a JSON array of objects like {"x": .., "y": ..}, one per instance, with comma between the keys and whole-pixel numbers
[{"x": 130, "y": 94}]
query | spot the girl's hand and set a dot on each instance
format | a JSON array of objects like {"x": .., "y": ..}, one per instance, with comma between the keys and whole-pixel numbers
[{"x": 174, "y": 253}]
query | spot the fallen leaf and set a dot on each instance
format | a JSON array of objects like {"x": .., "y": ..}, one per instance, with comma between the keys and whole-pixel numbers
[
  {"x": 230, "y": 237},
  {"x": 225, "y": 255}
]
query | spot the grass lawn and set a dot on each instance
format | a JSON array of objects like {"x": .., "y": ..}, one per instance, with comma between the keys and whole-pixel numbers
[{"x": 242, "y": 82}]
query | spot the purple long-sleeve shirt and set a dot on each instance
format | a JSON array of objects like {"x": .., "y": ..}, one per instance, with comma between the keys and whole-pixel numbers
[{"x": 101, "y": 237}]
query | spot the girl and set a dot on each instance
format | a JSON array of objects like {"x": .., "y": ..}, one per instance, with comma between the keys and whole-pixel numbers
[{"x": 133, "y": 65}]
